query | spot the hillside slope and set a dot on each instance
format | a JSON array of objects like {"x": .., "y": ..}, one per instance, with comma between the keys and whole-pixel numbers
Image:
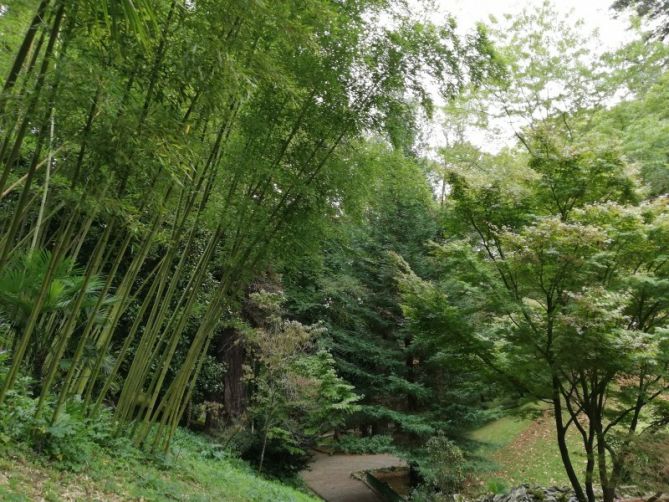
[{"x": 193, "y": 472}]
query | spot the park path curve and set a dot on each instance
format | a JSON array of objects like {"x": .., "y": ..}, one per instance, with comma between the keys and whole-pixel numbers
[{"x": 330, "y": 475}]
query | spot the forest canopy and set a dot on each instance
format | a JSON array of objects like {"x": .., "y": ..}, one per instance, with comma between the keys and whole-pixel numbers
[{"x": 231, "y": 217}]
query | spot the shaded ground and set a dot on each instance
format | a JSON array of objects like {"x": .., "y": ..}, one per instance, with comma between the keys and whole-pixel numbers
[{"x": 330, "y": 476}]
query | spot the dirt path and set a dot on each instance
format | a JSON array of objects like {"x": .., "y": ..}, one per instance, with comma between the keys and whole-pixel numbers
[{"x": 330, "y": 476}]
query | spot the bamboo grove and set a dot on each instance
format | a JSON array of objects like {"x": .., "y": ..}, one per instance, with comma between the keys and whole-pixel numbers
[{"x": 154, "y": 153}]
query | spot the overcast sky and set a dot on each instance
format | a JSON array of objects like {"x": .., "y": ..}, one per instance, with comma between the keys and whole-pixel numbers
[{"x": 596, "y": 15}]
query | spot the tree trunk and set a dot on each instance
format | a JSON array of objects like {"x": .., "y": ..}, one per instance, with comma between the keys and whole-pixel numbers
[
  {"x": 608, "y": 489},
  {"x": 234, "y": 389},
  {"x": 590, "y": 465},
  {"x": 264, "y": 447},
  {"x": 37, "y": 370},
  {"x": 562, "y": 442}
]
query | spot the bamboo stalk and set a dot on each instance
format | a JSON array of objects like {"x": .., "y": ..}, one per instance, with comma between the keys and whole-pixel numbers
[
  {"x": 22, "y": 54},
  {"x": 47, "y": 171}
]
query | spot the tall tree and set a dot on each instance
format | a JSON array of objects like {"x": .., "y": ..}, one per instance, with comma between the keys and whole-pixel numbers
[{"x": 169, "y": 149}]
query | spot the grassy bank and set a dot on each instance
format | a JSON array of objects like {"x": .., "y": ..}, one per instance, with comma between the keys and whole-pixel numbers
[
  {"x": 522, "y": 450},
  {"x": 194, "y": 471}
]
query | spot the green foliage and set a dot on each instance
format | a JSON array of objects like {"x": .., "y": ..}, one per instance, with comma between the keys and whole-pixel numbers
[
  {"x": 443, "y": 467},
  {"x": 22, "y": 279},
  {"x": 653, "y": 10},
  {"x": 551, "y": 252},
  {"x": 70, "y": 442},
  {"x": 639, "y": 123},
  {"x": 561, "y": 295},
  {"x": 77, "y": 450},
  {"x": 178, "y": 150},
  {"x": 196, "y": 470},
  {"x": 379, "y": 443},
  {"x": 298, "y": 395},
  {"x": 283, "y": 455},
  {"x": 352, "y": 288},
  {"x": 172, "y": 152},
  {"x": 325, "y": 397},
  {"x": 497, "y": 486},
  {"x": 547, "y": 55}
]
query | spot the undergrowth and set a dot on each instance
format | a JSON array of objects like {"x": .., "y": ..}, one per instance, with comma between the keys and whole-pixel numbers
[{"x": 79, "y": 458}]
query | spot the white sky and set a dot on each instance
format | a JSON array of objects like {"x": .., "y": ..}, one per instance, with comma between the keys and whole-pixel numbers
[{"x": 596, "y": 14}]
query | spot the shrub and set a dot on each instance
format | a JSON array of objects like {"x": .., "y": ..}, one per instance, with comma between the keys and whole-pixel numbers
[
  {"x": 71, "y": 441},
  {"x": 284, "y": 457},
  {"x": 443, "y": 466},
  {"x": 370, "y": 444}
]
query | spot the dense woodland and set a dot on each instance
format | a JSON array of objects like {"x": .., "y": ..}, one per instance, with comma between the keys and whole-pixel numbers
[{"x": 230, "y": 217}]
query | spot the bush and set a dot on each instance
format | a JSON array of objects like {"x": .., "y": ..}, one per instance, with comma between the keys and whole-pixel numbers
[
  {"x": 68, "y": 441},
  {"x": 16, "y": 416},
  {"x": 370, "y": 444},
  {"x": 443, "y": 466},
  {"x": 284, "y": 458},
  {"x": 426, "y": 494},
  {"x": 71, "y": 442}
]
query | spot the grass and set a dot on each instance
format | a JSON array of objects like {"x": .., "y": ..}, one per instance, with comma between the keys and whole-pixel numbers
[
  {"x": 522, "y": 451},
  {"x": 500, "y": 432},
  {"x": 193, "y": 472}
]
